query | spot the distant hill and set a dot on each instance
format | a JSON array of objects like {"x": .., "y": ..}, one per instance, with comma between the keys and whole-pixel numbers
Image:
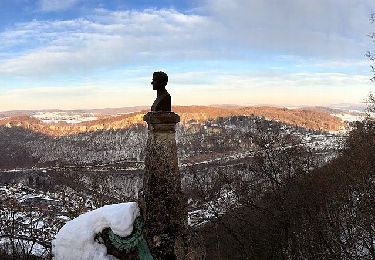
[
  {"x": 349, "y": 106},
  {"x": 309, "y": 118},
  {"x": 325, "y": 109},
  {"x": 96, "y": 112}
]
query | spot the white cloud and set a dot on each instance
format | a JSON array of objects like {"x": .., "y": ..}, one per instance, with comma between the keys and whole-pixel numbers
[
  {"x": 324, "y": 28},
  {"x": 331, "y": 30},
  {"x": 56, "y": 5},
  {"x": 106, "y": 39}
]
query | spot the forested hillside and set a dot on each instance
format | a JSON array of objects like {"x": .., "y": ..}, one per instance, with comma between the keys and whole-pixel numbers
[
  {"x": 307, "y": 118},
  {"x": 197, "y": 140},
  {"x": 286, "y": 210}
]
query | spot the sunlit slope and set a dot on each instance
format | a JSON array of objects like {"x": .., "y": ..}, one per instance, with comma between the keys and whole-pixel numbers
[{"x": 307, "y": 118}]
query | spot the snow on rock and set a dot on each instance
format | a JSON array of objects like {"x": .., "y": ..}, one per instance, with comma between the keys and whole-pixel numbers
[{"x": 75, "y": 239}]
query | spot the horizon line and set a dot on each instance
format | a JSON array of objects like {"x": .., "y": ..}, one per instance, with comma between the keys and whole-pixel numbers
[{"x": 181, "y": 105}]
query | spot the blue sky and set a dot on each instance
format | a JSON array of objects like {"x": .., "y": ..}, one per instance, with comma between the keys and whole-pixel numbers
[{"x": 101, "y": 53}]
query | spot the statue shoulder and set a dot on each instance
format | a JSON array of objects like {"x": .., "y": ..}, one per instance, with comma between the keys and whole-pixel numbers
[{"x": 162, "y": 103}]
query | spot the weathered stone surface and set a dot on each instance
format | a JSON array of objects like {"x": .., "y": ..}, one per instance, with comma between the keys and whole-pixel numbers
[
  {"x": 163, "y": 206},
  {"x": 156, "y": 120}
]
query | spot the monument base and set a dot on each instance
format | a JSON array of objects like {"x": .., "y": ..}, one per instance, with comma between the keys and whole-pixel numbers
[
  {"x": 161, "y": 121},
  {"x": 163, "y": 207}
]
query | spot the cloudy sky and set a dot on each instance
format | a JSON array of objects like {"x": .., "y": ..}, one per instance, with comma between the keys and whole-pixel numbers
[{"x": 101, "y": 53}]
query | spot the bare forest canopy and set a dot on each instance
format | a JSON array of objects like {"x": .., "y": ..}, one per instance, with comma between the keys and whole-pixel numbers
[{"x": 310, "y": 118}]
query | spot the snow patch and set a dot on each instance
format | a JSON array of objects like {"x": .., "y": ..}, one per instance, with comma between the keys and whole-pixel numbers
[
  {"x": 75, "y": 239},
  {"x": 32, "y": 247},
  {"x": 67, "y": 117},
  {"x": 350, "y": 117}
]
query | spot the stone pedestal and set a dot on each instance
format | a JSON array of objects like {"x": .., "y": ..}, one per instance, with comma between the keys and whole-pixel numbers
[{"x": 163, "y": 206}]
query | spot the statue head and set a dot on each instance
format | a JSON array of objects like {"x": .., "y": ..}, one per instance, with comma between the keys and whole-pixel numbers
[{"x": 159, "y": 80}]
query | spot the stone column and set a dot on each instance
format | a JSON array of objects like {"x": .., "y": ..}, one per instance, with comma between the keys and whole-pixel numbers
[{"x": 163, "y": 206}]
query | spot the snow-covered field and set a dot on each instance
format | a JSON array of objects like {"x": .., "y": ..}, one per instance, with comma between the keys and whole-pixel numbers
[
  {"x": 351, "y": 117},
  {"x": 68, "y": 117}
]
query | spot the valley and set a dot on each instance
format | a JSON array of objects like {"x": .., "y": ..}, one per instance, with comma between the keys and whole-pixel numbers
[{"x": 57, "y": 171}]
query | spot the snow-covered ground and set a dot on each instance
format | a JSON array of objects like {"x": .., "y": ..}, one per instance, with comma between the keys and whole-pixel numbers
[
  {"x": 351, "y": 117},
  {"x": 30, "y": 218},
  {"x": 33, "y": 247}
]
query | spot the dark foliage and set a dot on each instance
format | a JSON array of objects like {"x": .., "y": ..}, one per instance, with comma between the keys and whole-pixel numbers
[
  {"x": 13, "y": 151},
  {"x": 287, "y": 210}
]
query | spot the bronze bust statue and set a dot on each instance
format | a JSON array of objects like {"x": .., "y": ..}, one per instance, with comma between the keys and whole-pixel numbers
[{"x": 163, "y": 99}]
